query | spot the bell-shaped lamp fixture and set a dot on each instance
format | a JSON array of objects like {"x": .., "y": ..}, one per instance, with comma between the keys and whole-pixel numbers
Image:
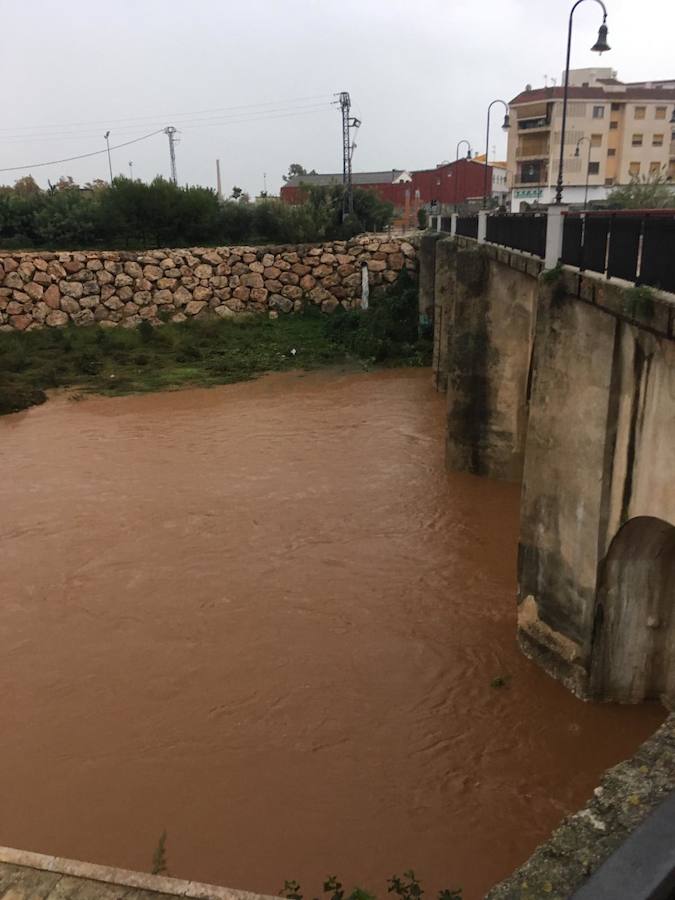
[
  {"x": 506, "y": 124},
  {"x": 576, "y": 152},
  {"x": 468, "y": 152},
  {"x": 601, "y": 45}
]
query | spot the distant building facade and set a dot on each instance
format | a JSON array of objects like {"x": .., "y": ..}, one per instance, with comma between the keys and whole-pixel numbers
[
  {"x": 439, "y": 189},
  {"x": 629, "y": 130}
]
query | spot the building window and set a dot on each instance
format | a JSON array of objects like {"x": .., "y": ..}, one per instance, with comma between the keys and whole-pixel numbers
[
  {"x": 660, "y": 112},
  {"x": 654, "y": 168},
  {"x": 640, "y": 112},
  {"x": 611, "y": 152},
  {"x": 598, "y": 112},
  {"x": 616, "y": 107},
  {"x": 609, "y": 181},
  {"x": 634, "y": 169},
  {"x": 613, "y": 125},
  {"x": 593, "y": 168},
  {"x": 596, "y": 140},
  {"x": 636, "y": 140},
  {"x": 657, "y": 140}
]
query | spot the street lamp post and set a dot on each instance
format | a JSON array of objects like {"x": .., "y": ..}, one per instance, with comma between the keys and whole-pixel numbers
[
  {"x": 600, "y": 46},
  {"x": 468, "y": 156},
  {"x": 131, "y": 170},
  {"x": 588, "y": 164},
  {"x": 468, "y": 149},
  {"x": 505, "y": 127},
  {"x": 107, "y": 142}
]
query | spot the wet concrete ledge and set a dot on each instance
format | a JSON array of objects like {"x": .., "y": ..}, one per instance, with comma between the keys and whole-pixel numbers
[
  {"x": 627, "y": 794},
  {"x": 34, "y": 876}
]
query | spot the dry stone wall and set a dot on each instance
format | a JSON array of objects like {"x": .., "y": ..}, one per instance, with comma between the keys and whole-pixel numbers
[{"x": 40, "y": 289}]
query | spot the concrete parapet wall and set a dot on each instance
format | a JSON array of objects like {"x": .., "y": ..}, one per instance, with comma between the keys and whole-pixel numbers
[
  {"x": 28, "y": 876},
  {"x": 41, "y": 289}
]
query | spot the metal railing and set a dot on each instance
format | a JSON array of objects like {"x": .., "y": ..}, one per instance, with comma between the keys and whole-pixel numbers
[
  {"x": 633, "y": 245},
  {"x": 467, "y": 226},
  {"x": 520, "y": 231}
]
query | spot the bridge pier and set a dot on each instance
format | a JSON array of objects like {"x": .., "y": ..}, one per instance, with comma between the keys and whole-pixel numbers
[{"x": 567, "y": 381}]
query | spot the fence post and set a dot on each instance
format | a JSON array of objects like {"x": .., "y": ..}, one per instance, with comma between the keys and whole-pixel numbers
[
  {"x": 453, "y": 224},
  {"x": 554, "y": 235},
  {"x": 439, "y": 222},
  {"x": 482, "y": 225}
]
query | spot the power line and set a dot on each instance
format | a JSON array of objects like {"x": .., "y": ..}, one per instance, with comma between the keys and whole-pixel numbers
[
  {"x": 165, "y": 116},
  {"x": 195, "y": 122},
  {"x": 55, "y": 162}
]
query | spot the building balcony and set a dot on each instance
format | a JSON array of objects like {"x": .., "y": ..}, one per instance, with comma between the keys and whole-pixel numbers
[
  {"x": 535, "y": 152},
  {"x": 525, "y": 180},
  {"x": 541, "y": 124}
]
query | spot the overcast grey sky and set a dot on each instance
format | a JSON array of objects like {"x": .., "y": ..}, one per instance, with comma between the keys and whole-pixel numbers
[{"x": 251, "y": 82}]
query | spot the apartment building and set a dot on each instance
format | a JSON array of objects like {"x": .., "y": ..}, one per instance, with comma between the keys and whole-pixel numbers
[{"x": 622, "y": 131}]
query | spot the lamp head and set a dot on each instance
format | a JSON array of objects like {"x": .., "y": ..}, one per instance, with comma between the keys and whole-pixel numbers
[
  {"x": 506, "y": 124},
  {"x": 601, "y": 45},
  {"x": 468, "y": 152},
  {"x": 576, "y": 152}
]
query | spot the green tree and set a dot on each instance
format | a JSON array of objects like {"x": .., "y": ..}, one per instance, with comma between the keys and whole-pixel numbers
[{"x": 653, "y": 192}]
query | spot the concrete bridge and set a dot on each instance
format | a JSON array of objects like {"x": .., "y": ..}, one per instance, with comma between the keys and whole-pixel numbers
[{"x": 566, "y": 381}]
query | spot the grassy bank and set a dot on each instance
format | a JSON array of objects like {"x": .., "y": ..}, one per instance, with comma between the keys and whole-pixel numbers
[{"x": 205, "y": 352}]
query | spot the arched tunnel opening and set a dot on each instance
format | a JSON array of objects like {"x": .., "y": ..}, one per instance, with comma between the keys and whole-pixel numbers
[{"x": 633, "y": 652}]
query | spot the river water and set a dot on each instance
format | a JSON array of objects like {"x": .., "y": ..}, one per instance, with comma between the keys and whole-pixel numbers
[{"x": 263, "y": 618}]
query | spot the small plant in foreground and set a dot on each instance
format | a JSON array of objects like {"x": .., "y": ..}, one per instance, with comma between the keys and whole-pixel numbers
[
  {"x": 159, "y": 864},
  {"x": 500, "y": 681},
  {"x": 406, "y": 888}
]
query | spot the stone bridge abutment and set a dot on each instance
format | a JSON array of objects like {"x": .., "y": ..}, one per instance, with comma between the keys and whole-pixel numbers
[{"x": 565, "y": 381}]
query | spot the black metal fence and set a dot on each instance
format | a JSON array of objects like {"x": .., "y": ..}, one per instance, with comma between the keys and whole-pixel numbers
[
  {"x": 467, "y": 226},
  {"x": 520, "y": 231},
  {"x": 635, "y": 246}
]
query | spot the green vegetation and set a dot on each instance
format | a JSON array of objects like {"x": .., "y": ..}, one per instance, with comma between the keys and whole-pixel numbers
[
  {"x": 647, "y": 192},
  {"x": 406, "y": 888},
  {"x": 551, "y": 276},
  {"x": 159, "y": 863},
  {"x": 207, "y": 351},
  {"x": 387, "y": 330},
  {"x": 133, "y": 214}
]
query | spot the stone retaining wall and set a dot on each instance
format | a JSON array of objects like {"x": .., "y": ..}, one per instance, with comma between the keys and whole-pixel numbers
[{"x": 39, "y": 289}]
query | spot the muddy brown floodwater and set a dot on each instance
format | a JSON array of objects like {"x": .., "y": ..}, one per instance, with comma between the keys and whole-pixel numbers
[{"x": 263, "y": 618}]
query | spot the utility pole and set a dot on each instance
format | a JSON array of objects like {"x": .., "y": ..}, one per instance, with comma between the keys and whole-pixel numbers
[
  {"x": 107, "y": 141},
  {"x": 219, "y": 184},
  {"x": 348, "y": 122},
  {"x": 170, "y": 132}
]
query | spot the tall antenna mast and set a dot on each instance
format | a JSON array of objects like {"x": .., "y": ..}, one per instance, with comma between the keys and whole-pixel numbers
[
  {"x": 348, "y": 122},
  {"x": 170, "y": 131}
]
